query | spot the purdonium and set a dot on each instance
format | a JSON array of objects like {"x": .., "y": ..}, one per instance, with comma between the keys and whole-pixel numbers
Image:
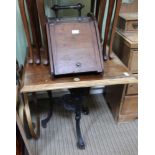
[{"x": 74, "y": 46}]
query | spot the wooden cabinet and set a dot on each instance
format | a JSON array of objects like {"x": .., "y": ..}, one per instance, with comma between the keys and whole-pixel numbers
[
  {"x": 126, "y": 47},
  {"x": 123, "y": 99}
]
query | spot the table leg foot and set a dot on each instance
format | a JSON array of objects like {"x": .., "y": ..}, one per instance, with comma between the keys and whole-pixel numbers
[{"x": 85, "y": 110}]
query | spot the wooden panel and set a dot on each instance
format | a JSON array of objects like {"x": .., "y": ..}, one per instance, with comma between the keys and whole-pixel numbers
[
  {"x": 123, "y": 108},
  {"x": 114, "y": 99},
  {"x": 130, "y": 105},
  {"x": 133, "y": 62},
  {"x": 132, "y": 89}
]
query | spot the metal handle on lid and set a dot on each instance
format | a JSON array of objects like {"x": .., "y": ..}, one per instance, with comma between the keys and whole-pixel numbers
[{"x": 78, "y": 7}]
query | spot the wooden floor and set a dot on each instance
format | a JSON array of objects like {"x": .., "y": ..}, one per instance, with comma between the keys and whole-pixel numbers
[{"x": 102, "y": 135}]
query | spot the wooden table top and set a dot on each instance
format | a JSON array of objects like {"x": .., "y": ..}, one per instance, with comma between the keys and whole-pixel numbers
[{"x": 38, "y": 78}]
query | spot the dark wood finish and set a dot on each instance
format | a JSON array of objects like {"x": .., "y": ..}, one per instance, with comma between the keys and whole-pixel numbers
[
  {"x": 101, "y": 16},
  {"x": 35, "y": 27},
  {"x": 18, "y": 146},
  {"x": 128, "y": 22},
  {"x": 26, "y": 28},
  {"x": 71, "y": 53},
  {"x": 97, "y": 8},
  {"x": 107, "y": 28},
  {"x": 92, "y": 6},
  {"x": 111, "y": 7},
  {"x": 42, "y": 17}
]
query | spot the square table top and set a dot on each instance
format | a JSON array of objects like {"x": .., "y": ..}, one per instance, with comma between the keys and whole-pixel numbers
[{"x": 38, "y": 77}]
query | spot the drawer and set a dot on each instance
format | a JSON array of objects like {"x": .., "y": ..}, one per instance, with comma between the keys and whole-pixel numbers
[
  {"x": 130, "y": 105},
  {"x": 131, "y": 25},
  {"x": 132, "y": 89},
  {"x": 133, "y": 61}
]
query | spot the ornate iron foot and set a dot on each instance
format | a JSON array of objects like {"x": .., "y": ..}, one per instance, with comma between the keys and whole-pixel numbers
[
  {"x": 46, "y": 120},
  {"x": 80, "y": 141},
  {"x": 85, "y": 110}
]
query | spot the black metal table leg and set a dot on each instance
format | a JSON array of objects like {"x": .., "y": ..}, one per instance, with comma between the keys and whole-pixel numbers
[
  {"x": 50, "y": 113},
  {"x": 78, "y": 97},
  {"x": 80, "y": 141}
]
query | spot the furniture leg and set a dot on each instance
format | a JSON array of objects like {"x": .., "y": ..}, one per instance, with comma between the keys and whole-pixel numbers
[
  {"x": 22, "y": 132},
  {"x": 108, "y": 21},
  {"x": 117, "y": 10},
  {"x": 35, "y": 27},
  {"x": 97, "y": 8},
  {"x": 50, "y": 113},
  {"x": 42, "y": 17},
  {"x": 101, "y": 16},
  {"x": 92, "y": 6},
  {"x": 26, "y": 28},
  {"x": 80, "y": 141},
  {"x": 34, "y": 128}
]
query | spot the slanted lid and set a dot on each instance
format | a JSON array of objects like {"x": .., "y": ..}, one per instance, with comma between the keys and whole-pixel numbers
[{"x": 75, "y": 47}]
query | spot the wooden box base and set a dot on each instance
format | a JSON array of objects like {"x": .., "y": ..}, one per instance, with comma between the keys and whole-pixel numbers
[{"x": 123, "y": 107}]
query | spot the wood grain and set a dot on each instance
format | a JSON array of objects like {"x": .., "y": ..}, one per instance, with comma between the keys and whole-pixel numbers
[
  {"x": 38, "y": 78},
  {"x": 35, "y": 131},
  {"x": 26, "y": 29},
  {"x": 70, "y": 49},
  {"x": 35, "y": 28}
]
